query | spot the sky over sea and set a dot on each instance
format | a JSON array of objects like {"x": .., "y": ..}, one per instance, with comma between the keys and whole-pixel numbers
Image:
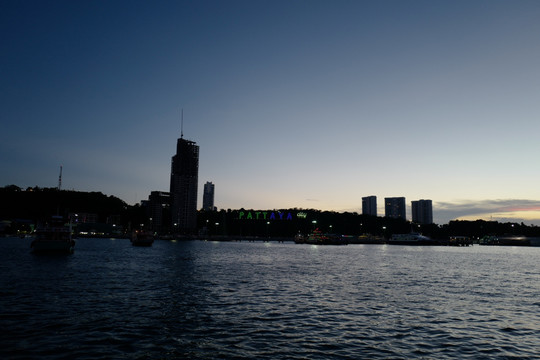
[{"x": 307, "y": 104}]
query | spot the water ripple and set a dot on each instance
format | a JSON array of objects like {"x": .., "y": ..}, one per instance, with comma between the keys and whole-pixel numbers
[{"x": 202, "y": 300}]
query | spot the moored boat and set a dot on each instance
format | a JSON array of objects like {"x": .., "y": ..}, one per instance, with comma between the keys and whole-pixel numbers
[
  {"x": 55, "y": 237},
  {"x": 366, "y": 239},
  {"x": 510, "y": 240},
  {"x": 489, "y": 240},
  {"x": 142, "y": 238},
  {"x": 300, "y": 239},
  {"x": 457, "y": 240},
  {"x": 317, "y": 237},
  {"x": 411, "y": 239}
]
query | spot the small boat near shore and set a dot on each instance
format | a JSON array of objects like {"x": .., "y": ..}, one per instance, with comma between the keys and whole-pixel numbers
[
  {"x": 457, "y": 240},
  {"x": 366, "y": 239},
  {"x": 317, "y": 237},
  {"x": 55, "y": 237},
  {"x": 142, "y": 238},
  {"x": 411, "y": 239},
  {"x": 300, "y": 238}
]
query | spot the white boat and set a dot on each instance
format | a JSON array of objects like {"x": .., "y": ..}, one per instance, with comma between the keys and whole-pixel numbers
[
  {"x": 142, "y": 238},
  {"x": 411, "y": 239},
  {"x": 55, "y": 237}
]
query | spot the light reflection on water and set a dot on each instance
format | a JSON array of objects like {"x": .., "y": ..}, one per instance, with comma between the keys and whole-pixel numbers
[{"x": 268, "y": 300}]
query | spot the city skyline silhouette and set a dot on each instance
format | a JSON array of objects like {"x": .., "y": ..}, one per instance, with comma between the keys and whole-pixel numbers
[{"x": 293, "y": 104}]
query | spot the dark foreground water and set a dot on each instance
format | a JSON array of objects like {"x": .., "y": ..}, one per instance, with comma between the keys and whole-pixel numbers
[{"x": 207, "y": 300}]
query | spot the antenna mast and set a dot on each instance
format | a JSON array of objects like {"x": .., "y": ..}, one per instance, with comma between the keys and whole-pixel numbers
[
  {"x": 182, "y": 125},
  {"x": 60, "y": 179}
]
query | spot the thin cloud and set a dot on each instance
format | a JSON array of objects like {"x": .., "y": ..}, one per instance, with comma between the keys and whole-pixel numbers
[{"x": 500, "y": 210}]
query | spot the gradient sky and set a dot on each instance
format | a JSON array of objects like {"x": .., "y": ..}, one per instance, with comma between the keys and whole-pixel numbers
[{"x": 308, "y": 104}]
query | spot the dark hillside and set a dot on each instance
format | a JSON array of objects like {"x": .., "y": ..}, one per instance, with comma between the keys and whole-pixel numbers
[{"x": 37, "y": 203}]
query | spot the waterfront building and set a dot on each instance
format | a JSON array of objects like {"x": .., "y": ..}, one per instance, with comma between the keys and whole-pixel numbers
[
  {"x": 83, "y": 218},
  {"x": 394, "y": 207},
  {"x": 183, "y": 189},
  {"x": 208, "y": 196},
  {"x": 158, "y": 211},
  {"x": 422, "y": 212},
  {"x": 369, "y": 205}
]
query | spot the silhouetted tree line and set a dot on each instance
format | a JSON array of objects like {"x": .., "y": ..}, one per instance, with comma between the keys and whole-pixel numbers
[
  {"x": 37, "y": 205},
  {"x": 481, "y": 228},
  {"x": 227, "y": 222}
]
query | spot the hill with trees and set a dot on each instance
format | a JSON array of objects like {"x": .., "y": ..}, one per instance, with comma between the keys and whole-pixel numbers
[{"x": 36, "y": 205}]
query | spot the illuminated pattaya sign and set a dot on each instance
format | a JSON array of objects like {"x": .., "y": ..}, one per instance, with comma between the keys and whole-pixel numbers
[{"x": 268, "y": 215}]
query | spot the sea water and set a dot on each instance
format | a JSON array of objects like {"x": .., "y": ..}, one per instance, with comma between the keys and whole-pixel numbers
[{"x": 268, "y": 300}]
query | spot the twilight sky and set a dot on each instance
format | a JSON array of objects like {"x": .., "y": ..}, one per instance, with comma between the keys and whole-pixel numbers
[{"x": 308, "y": 104}]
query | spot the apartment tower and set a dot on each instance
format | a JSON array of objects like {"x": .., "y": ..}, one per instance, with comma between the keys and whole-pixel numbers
[
  {"x": 369, "y": 205},
  {"x": 394, "y": 207},
  {"x": 422, "y": 212},
  {"x": 208, "y": 196}
]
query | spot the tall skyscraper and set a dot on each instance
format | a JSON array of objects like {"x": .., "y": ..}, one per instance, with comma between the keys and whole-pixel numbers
[
  {"x": 208, "y": 196},
  {"x": 422, "y": 212},
  {"x": 369, "y": 205},
  {"x": 394, "y": 207},
  {"x": 184, "y": 178}
]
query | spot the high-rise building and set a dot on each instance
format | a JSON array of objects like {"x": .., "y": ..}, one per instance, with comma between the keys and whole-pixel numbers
[
  {"x": 184, "y": 178},
  {"x": 394, "y": 207},
  {"x": 369, "y": 205},
  {"x": 422, "y": 212},
  {"x": 158, "y": 210},
  {"x": 208, "y": 196}
]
